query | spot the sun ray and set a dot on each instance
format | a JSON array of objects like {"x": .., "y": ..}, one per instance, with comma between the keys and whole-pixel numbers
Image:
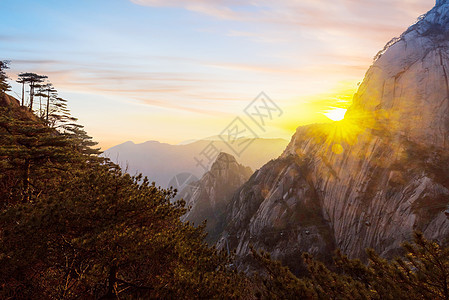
[{"x": 336, "y": 114}]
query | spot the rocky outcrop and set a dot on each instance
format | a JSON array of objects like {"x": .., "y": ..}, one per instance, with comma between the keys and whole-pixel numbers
[
  {"x": 209, "y": 197},
  {"x": 366, "y": 181}
]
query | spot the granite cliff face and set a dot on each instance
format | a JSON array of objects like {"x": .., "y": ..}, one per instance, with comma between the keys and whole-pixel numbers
[
  {"x": 366, "y": 181},
  {"x": 209, "y": 197}
]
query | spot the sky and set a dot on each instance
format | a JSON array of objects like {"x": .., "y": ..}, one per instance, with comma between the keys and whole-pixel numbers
[{"x": 177, "y": 70}]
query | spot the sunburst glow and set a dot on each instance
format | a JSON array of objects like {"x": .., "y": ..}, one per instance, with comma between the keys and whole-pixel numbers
[{"x": 336, "y": 114}]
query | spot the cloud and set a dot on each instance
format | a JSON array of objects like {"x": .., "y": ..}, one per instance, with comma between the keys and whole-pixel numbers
[
  {"x": 318, "y": 12},
  {"x": 221, "y": 9},
  {"x": 307, "y": 44},
  {"x": 354, "y": 18},
  {"x": 261, "y": 37},
  {"x": 159, "y": 89}
]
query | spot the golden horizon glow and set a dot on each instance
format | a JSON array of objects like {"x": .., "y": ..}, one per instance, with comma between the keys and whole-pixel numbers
[{"x": 311, "y": 109}]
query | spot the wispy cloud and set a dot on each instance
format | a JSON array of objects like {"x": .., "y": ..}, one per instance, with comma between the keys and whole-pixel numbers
[
  {"x": 221, "y": 9},
  {"x": 259, "y": 37},
  {"x": 160, "y": 89},
  {"x": 200, "y": 58},
  {"x": 316, "y": 12},
  {"x": 351, "y": 18}
]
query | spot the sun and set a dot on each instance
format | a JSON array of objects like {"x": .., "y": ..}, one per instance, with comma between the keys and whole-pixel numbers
[{"x": 335, "y": 114}]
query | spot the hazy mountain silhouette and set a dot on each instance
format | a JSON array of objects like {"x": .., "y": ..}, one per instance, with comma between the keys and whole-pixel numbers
[{"x": 161, "y": 161}]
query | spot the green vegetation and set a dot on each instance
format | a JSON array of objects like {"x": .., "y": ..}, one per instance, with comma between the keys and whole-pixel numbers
[
  {"x": 423, "y": 273},
  {"x": 4, "y": 85},
  {"x": 74, "y": 226}
]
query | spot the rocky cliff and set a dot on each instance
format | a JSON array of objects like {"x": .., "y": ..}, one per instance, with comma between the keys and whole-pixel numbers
[
  {"x": 209, "y": 197},
  {"x": 366, "y": 181}
]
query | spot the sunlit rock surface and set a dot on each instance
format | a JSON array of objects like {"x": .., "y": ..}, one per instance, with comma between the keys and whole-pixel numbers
[{"x": 366, "y": 181}]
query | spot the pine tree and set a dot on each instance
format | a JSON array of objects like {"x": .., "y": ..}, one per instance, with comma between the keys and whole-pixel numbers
[
  {"x": 46, "y": 91},
  {"x": 22, "y": 80},
  {"x": 30, "y": 149},
  {"x": 37, "y": 149},
  {"x": 422, "y": 273},
  {"x": 34, "y": 80},
  {"x": 105, "y": 235},
  {"x": 50, "y": 93},
  {"x": 74, "y": 226},
  {"x": 4, "y": 85}
]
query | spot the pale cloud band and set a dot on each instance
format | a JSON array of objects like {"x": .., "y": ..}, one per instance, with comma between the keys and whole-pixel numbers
[
  {"x": 319, "y": 13},
  {"x": 203, "y": 58},
  {"x": 334, "y": 27}
]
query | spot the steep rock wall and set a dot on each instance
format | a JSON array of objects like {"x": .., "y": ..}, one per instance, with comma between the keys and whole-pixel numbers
[{"x": 366, "y": 181}]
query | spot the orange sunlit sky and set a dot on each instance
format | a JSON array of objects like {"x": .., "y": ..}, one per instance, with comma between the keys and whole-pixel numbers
[{"x": 177, "y": 70}]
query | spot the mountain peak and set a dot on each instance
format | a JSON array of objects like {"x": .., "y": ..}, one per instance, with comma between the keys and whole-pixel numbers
[
  {"x": 225, "y": 157},
  {"x": 213, "y": 193},
  {"x": 406, "y": 89},
  {"x": 436, "y": 16},
  {"x": 227, "y": 163}
]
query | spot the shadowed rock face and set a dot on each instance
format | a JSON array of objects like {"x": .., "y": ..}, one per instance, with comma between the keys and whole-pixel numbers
[
  {"x": 366, "y": 181},
  {"x": 209, "y": 197}
]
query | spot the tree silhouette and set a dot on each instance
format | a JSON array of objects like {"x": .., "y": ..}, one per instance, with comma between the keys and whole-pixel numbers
[
  {"x": 34, "y": 80},
  {"x": 23, "y": 79},
  {"x": 49, "y": 92},
  {"x": 4, "y": 85}
]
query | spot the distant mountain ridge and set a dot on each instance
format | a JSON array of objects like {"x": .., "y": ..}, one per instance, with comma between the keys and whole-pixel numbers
[{"x": 161, "y": 162}]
